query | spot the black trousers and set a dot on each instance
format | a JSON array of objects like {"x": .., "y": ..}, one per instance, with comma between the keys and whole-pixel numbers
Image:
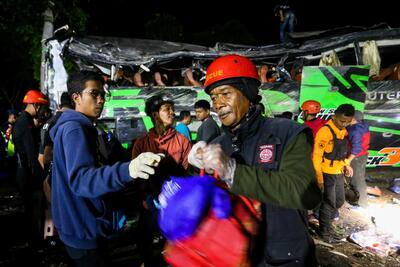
[
  {"x": 34, "y": 206},
  {"x": 150, "y": 252},
  {"x": 333, "y": 198},
  {"x": 309, "y": 261},
  {"x": 87, "y": 257},
  {"x": 358, "y": 180}
]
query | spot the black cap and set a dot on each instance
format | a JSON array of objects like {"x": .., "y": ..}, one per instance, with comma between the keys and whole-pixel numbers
[
  {"x": 154, "y": 103},
  {"x": 11, "y": 112}
]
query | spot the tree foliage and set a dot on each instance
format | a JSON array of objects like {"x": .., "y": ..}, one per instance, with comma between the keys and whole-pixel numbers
[{"x": 21, "y": 26}]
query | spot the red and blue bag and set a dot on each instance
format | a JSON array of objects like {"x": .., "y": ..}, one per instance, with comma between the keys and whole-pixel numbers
[{"x": 219, "y": 231}]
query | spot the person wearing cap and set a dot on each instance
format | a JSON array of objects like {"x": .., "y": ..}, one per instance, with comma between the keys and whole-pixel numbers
[
  {"x": 331, "y": 165},
  {"x": 30, "y": 175},
  {"x": 264, "y": 159},
  {"x": 310, "y": 109},
  {"x": 163, "y": 138},
  {"x": 309, "y": 112},
  {"x": 359, "y": 138},
  {"x": 82, "y": 181}
]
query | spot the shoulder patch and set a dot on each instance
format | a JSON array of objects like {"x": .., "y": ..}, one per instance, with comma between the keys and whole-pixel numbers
[{"x": 267, "y": 153}]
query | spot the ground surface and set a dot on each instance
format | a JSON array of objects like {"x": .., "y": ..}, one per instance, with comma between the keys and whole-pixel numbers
[
  {"x": 14, "y": 250},
  {"x": 354, "y": 220}
]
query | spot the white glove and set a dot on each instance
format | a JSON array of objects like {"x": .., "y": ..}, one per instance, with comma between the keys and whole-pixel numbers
[
  {"x": 196, "y": 154},
  {"x": 215, "y": 160},
  {"x": 143, "y": 165}
]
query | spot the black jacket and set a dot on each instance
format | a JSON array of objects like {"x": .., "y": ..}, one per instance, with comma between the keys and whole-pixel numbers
[
  {"x": 274, "y": 166},
  {"x": 26, "y": 139}
]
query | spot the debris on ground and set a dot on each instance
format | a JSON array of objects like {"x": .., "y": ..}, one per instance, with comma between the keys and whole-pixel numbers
[
  {"x": 374, "y": 191},
  {"x": 372, "y": 233}
]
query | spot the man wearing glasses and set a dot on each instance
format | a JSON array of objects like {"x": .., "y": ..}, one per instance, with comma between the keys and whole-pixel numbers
[{"x": 80, "y": 181}]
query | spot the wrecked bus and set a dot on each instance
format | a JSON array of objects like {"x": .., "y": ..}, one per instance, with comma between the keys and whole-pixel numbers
[{"x": 291, "y": 75}]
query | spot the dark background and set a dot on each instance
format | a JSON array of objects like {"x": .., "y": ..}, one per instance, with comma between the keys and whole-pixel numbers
[
  {"x": 204, "y": 22},
  {"x": 127, "y": 18}
]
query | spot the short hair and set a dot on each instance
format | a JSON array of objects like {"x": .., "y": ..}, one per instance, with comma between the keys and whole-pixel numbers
[
  {"x": 65, "y": 100},
  {"x": 346, "y": 110},
  {"x": 183, "y": 114},
  {"x": 287, "y": 115},
  {"x": 76, "y": 81},
  {"x": 202, "y": 104}
]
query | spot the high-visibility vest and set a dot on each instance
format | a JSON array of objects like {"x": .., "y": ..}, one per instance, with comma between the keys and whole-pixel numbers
[{"x": 10, "y": 147}]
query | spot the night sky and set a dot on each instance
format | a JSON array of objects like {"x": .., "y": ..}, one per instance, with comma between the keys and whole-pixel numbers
[{"x": 127, "y": 18}]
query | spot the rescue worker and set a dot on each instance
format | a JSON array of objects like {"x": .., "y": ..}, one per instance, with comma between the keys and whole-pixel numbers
[
  {"x": 163, "y": 138},
  {"x": 265, "y": 159},
  {"x": 30, "y": 175},
  {"x": 8, "y": 151},
  {"x": 287, "y": 20},
  {"x": 7, "y": 126},
  {"x": 330, "y": 163},
  {"x": 80, "y": 181},
  {"x": 310, "y": 109},
  {"x": 359, "y": 137}
]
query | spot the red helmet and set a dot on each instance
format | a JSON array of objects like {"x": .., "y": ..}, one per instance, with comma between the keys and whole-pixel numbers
[
  {"x": 35, "y": 97},
  {"x": 230, "y": 66},
  {"x": 311, "y": 106}
]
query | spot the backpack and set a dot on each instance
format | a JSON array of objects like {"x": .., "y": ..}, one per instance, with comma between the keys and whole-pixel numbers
[{"x": 339, "y": 151}]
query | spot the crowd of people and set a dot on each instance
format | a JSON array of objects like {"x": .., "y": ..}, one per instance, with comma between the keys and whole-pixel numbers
[{"x": 291, "y": 170}]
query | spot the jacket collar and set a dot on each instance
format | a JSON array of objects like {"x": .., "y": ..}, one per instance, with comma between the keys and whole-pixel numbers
[
  {"x": 248, "y": 127},
  {"x": 169, "y": 133}
]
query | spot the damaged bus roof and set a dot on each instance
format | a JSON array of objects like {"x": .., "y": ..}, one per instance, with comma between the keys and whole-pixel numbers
[{"x": 107, "y": 51}]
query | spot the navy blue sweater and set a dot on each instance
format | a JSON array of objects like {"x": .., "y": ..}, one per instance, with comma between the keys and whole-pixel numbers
[{"x": 79, "y": 182}]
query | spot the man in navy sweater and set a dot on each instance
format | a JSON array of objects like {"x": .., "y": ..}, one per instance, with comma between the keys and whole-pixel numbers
[
  {"x": 80, "y": 181},
  {"x": 359, "y": 137}
]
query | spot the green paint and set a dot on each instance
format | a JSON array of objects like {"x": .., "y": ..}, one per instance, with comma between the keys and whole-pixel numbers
[
  {"x": 193, "y": 136},
  {"x": 278, "y": 102},
  {"x": 382, "y": 119},
  {"x": 317, "y": 87},
  {"x": 384, "y": 130},
  {"x": 313, "y": 77},
  {"x": 147, "y": 122},
  {"x": 124, "y": 92},
  {"x": 358, "y": 80},
  {"x": 339, "y": 77},
  {"x": 201, "y": 94}
]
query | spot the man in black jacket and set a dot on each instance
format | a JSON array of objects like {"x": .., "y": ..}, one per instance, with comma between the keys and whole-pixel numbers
[
  {"x": 209, "y": 129},
  {"x": 264, "y": 159},
  {"x": 30, "y": 174}
]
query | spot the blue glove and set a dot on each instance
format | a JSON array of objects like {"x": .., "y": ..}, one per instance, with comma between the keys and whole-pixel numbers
[{"x": 183, "y": 204}]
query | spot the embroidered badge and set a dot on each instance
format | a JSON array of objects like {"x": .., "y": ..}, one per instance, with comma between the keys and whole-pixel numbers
[{"x": 267, "y": 153}]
